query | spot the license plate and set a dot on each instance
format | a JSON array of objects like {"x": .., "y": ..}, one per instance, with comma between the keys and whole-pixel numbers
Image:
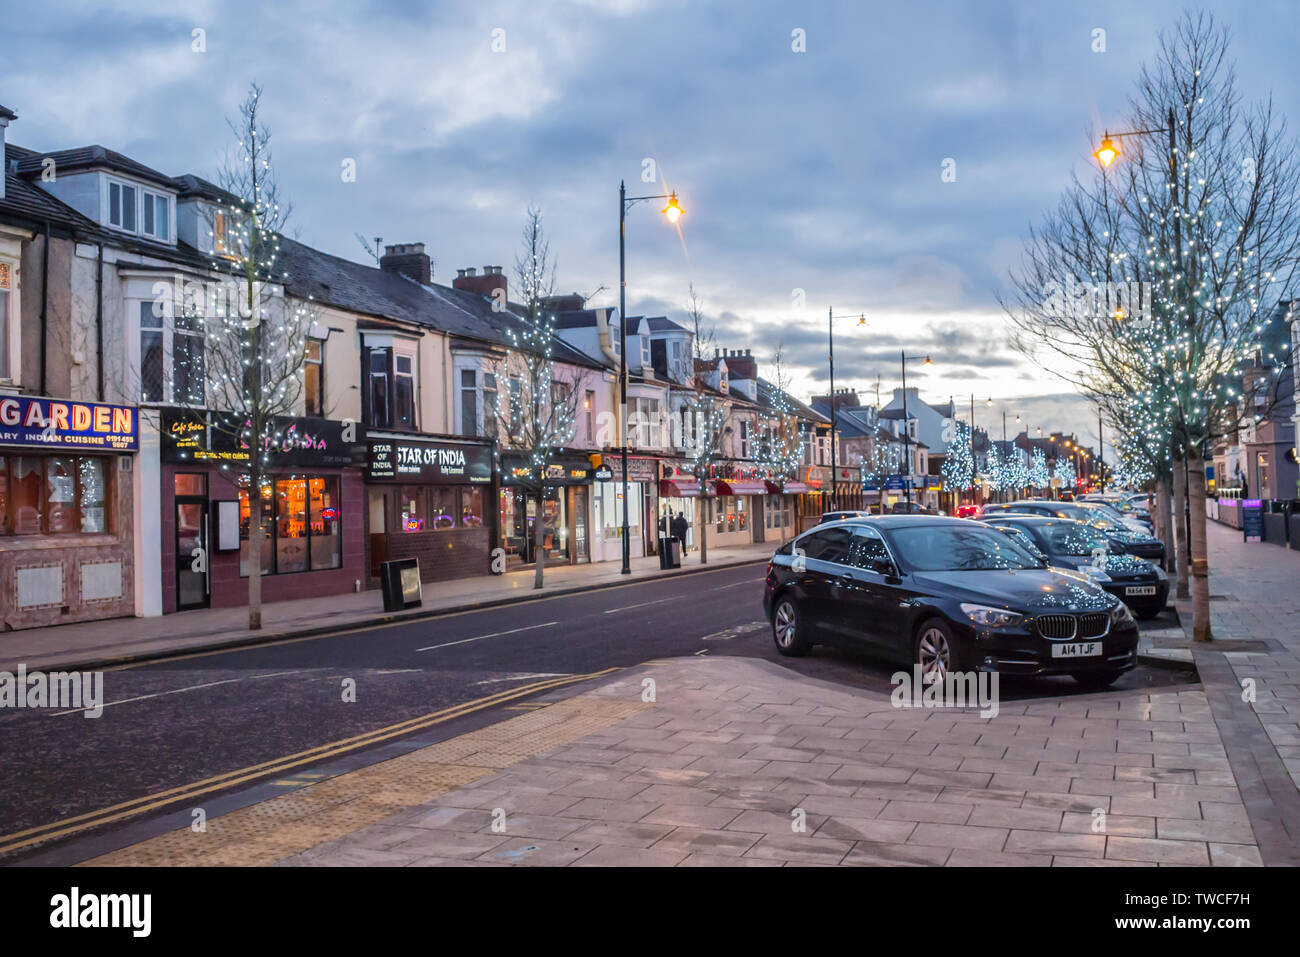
[
  {"x": 1140, "y": 590},
  {"x": 1076, "y": 649}
]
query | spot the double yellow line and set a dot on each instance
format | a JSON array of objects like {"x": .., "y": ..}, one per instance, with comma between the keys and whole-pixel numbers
[{"x": 152, "y": 802}]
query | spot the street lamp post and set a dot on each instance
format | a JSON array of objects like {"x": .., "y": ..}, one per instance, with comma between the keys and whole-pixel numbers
[
  {"x": 830, "y": 341},
  {"x": 907, "y": 453},
  {"x": 673, "y": 211}
]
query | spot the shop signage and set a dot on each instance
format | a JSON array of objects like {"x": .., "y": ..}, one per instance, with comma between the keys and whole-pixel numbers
[
  {"x": 446, "y": 463},
  {"x": 60, "y": 424},
  {"x": 194, "y": 435},
  {"x": 1252, "y": 519},
  {"x": 638, "y": 470},
  {"x": 568, "y": 470},
  {"x": 604, "y": 474}
]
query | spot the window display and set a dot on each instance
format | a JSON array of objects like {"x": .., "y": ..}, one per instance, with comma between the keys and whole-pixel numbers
[
  {"x": 301, "y": 526},
  {"x": 53, "y": 494}
]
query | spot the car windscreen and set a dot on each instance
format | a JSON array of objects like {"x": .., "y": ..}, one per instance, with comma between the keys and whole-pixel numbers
[
  {"x": 934, "y": 548},
  {"x": 1073, "y": 538}
]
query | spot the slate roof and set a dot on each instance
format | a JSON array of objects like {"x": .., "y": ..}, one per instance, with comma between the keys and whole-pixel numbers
[
  {"x": 7, "y": 114},
  {"x": 94, "y": 157},
  {"x": 664, "y": 324}
]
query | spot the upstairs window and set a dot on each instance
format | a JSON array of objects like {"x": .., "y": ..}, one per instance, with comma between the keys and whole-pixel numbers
[
  {"x": 313, "y": 378},
  {"x": 5, "y": 293},
  {"x": 469, "y": 402},
  {"x": 134, "y": 209},
  {"x": 172, "y": 360},
  {"x": 390, "y": 396}
]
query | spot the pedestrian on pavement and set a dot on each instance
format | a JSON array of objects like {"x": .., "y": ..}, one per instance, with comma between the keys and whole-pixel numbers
[{"x": 679, "y": 530}]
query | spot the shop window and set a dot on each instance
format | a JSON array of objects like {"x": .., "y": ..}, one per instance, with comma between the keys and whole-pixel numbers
[
  {"x": 326, "y": 528},
  {"x": 471, "y": 507},
  {"x": 53, "y": 495},
  {"x": 301, "y": 526},
  {"x": 610, "y": 497},
  {"x": 190, "y": 483},
  {"x": 313, "y": 379},
  {"x": 412, "y": 513},
  {"x": 443, "y": 506}
]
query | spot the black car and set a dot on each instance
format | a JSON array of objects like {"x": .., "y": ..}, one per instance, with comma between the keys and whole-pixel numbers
[
  {"x": 1120, "y": 536},
  {"x": 947, "y": 594},
  {"x": 841, "y": 516},
  {"x": 1079, "y": 547}
]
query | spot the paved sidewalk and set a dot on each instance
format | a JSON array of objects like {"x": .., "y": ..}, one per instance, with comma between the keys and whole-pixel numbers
[
  {"x": 119, "y": 639},
  {"x": 1251, "y": 677},
  {"x": 742, "y": 762}
]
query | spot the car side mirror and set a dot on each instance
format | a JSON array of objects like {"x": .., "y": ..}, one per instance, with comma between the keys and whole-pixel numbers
[{"x": 884, "y": 566}]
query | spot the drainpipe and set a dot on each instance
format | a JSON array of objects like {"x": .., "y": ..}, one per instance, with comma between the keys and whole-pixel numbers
[
  {"x": 45, "y": 295},
  {"x": 99, "y": 318}
]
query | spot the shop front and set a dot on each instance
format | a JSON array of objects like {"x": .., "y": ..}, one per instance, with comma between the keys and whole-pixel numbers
[
  {"x": 815, "y": 500},
  {"x": 67, "y": 525},
  {"x": 430, "y": 498},
  {"x": 644, "y": 511},
  {"x": 781, "y": 504},
  {"x": 312, "y": 522},
  {"x": 737, "y": 511},
  {"x": 564, "y": 513}
]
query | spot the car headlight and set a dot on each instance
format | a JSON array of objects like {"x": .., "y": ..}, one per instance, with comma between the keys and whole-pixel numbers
[
  {"x": 1120, "y": 615},
  {"x": 988, "y": 617}
]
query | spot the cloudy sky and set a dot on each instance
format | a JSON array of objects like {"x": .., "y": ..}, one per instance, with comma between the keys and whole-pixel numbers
[{"x": 810, "y": 179}]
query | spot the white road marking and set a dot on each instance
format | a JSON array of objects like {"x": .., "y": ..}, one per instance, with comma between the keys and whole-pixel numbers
[
  {"x": 657, "y": 601},
  {"x": 538, "y": 674},
  {"x": 209, "y": 684},
  {"x": 495, "y": 634},
  {"x": 748, "y": 581},
  {"x": 728, "y": 633}
]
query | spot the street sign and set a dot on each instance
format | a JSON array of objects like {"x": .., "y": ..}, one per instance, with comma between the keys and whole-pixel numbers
[{"x": 1252, "y": 519}]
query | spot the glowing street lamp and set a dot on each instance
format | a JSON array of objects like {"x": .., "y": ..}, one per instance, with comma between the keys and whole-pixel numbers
[
  {"x": 1107, "y": 152},
  {"x": 673, "y": 210}
]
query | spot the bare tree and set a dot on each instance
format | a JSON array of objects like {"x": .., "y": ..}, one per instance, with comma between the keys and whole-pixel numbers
[
  {"x": 1154, "y": 278},
  {"x": 538, "y": 411}
]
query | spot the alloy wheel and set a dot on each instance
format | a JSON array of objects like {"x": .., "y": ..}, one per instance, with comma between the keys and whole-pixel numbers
[
  {"x": 785, "y": 624},
  {"x": 934, "y": 653}
]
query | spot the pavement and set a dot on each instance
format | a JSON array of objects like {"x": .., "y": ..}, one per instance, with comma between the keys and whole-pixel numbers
[
  {"x": 702, "y": 761},
  {"x": 91, "y": 644}
]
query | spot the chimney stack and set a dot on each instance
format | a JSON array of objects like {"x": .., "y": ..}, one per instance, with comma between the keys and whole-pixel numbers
[
  {"x": 407, "y": 259},
  {"x": 491, "y": 280}
]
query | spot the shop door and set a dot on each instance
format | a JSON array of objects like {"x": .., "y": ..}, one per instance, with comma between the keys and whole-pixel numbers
[
  {"x": 192, "y": 555},
  {"x": 582, "y": 552},
  {"x": 760, "y": 514}
]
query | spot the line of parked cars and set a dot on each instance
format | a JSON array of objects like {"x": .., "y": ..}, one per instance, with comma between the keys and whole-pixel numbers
[{"x": 1027, "y": 588}]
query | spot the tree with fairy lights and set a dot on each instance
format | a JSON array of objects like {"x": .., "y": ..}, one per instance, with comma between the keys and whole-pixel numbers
[
  {"x": 1064, "y": 473},
  {"x": 705, "y": 421},
  {"x": 780, "y": 444},
  {"x": 538, "y": 411},
  {"x": 994, "y": 468},
  {"x": 254, "y": 336},
  {"x": 1160, "y": 274},
  {"x": 1040, "y": 476},
  {"x": 958, "y": 467}
]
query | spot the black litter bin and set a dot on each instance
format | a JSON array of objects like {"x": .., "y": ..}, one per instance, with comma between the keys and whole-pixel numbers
[
  {"x": 663, "y": 552},
  {"x": 400, "y": 583},
  {"x": 674, "y": 553}
]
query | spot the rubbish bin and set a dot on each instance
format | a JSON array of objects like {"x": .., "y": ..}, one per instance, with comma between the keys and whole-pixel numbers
[
  {"x": 663, "y": 551},
  {"x": 674, "y": 553},
  {"x": 400, "y": 582}
]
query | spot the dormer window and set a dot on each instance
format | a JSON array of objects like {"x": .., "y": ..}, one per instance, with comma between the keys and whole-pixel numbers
[{"x": 134, "y": 209}]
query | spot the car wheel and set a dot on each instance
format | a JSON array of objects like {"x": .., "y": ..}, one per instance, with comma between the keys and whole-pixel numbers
[
  {"x": 787, "y": 628},
  {"x": 936, "y": 650},
  {"x": 1097, "y": 679}
]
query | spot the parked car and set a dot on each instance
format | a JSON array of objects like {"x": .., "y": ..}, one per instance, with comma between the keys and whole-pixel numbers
[
  {"x": 1122, "y": 538},
  {"x": 911, "y": 508},
  {"x": 1130, "y": 520},
  {"x": 967, "y": 511},
  {"x": 948, "y": 595},
  {"x": 1065, "y": 543},
  {"x": 840, "y": 516}
]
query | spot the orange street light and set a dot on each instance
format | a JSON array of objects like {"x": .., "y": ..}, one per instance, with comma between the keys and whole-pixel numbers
[
  {"x": 673, "y": 210},
  {"x": 1107, "y": 152}
]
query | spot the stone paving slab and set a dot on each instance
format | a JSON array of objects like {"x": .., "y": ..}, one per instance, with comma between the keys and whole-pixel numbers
[{"x": 780, "y": 769}]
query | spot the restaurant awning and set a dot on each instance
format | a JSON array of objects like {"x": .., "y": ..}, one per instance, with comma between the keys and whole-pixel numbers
[
  {"x": 791, "y": 488},
  {"x": 740, "y": 488},
  {"x": 679, "y": 488}
]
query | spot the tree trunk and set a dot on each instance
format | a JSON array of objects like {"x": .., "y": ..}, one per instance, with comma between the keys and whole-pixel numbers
[
  {"x": 702, "y": 527},
  {"x": 254, "y": 553},
  {"x": 1180, "y": 527},
  {"x": 1164, "y": 519},
  {"x": 1200, "y": 564},
  {"x": 539, "y": 549}
]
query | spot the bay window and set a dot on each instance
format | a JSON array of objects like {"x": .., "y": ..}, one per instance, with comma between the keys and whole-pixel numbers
[
  {"x": 172, "y": 358},
  {"x": 53, "y": 494},
  {"x": 6, "y": 291}
]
